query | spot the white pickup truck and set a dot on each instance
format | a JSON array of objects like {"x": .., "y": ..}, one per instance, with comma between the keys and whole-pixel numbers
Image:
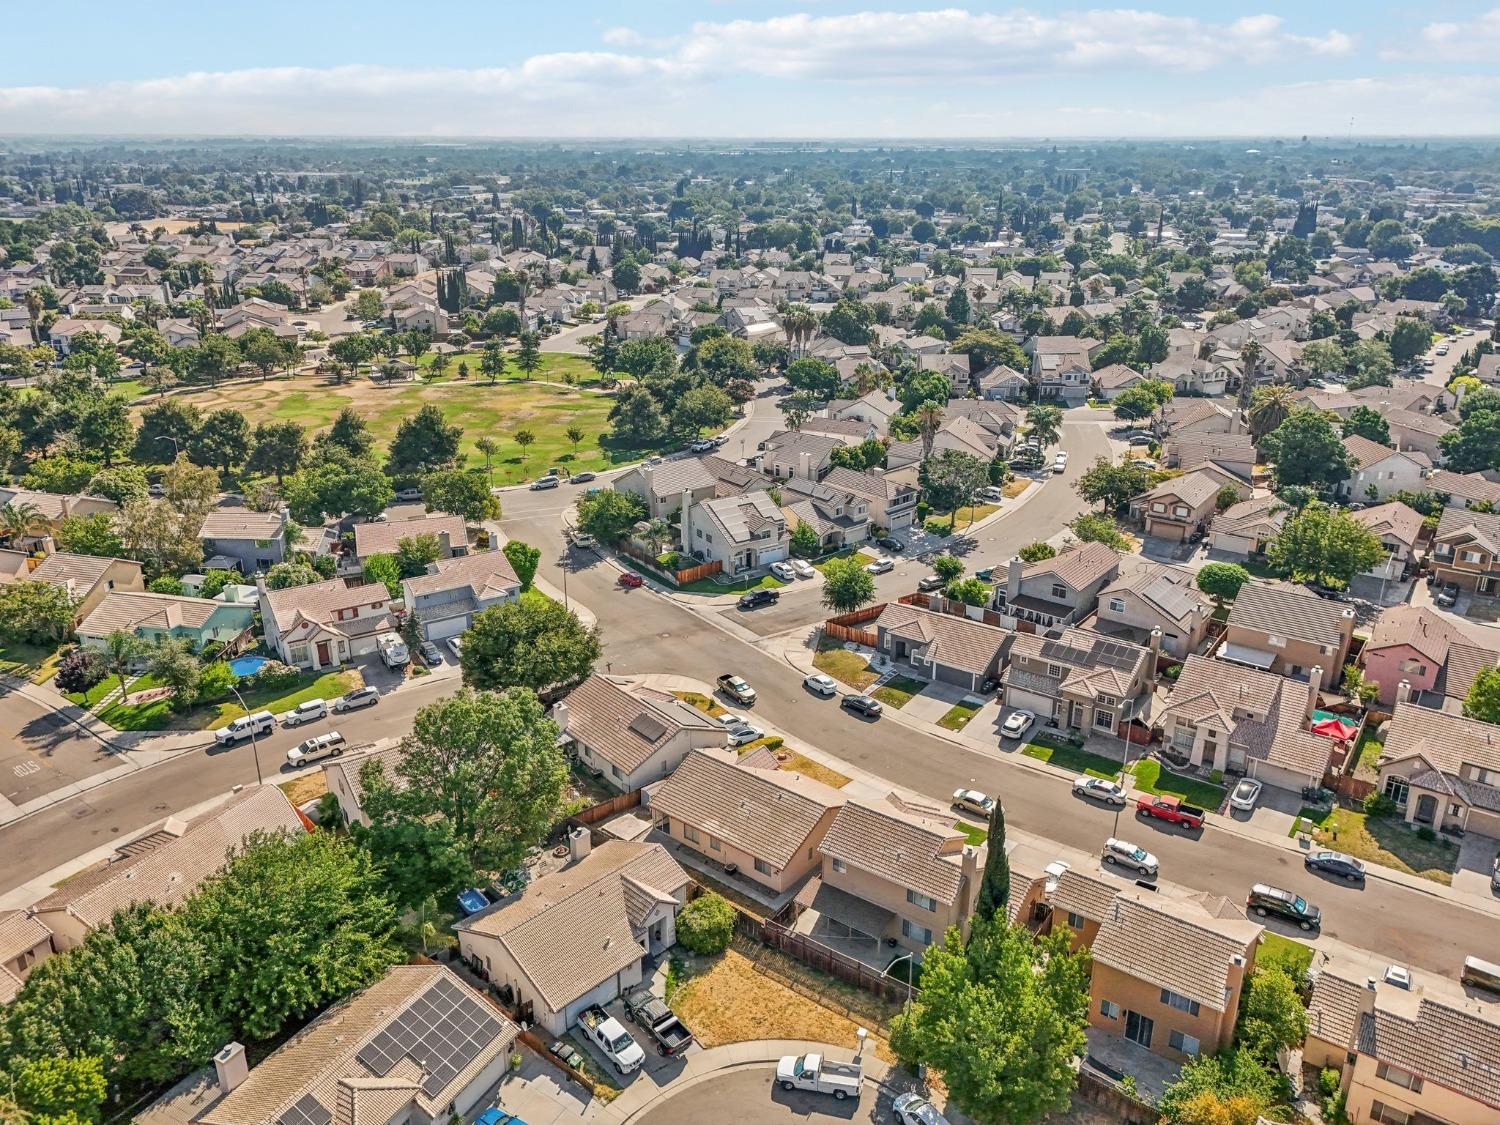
[
  {"x": 820, "y": 1075},
  {"x": 610, "y": 1036}
]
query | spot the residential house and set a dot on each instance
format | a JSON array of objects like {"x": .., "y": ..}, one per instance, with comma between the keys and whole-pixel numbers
[
  {"x": 420, "y": 316},
  {"x": 1190, "y": 375},
  {"x": 788, "y": 453},
  {"x": 1399, "y": 528},
  {"x": 1465, "y": 661},
  {"x": 1001, "y": 383},
  {"x": 1109, "y": 383},
  {"x": 385, "y": 538},
  {"x": 255, "y": 541},
  {"x": 1085, "y": 681},
  {"x": 325, "y": 624},
  {"x": 1195, "y": 417},
  {"x": 891, "y": 873},
  {"x": 877, "y": 408},
  {"x": 1380, "y": 472},
  {"x": 418, "y": 1046},
  {"x": 1442, "y": 770},
  {"x": 202, "y": 622},
  {"x": 344, "y": 777},
  {"x": 25, "y": 942},
  {"x": 1289, "y": 632},
  {"x": 1466, "y": 550},
  {"x": 1231, "y": 453},
  {"x": 742, "y": 533},
  {"x": 1223, "y": 716},
  {"x": 1413, "y": 1047},
  {"x": 51, "y": 509},
  {"x": 1061, "y": 366},
  {"x": 579, "y": 936},
  {"x": 1060, "y": 590},
  {"x": 1408, "y": 644},
  {"x": 88, "y": 578},
  {"x": 67, "y": 329},
  {"x": 1155, "y": 598},
  {"x": 941, "y": 646},
  {"x": 892, "y": 502},
  {"x": 849, "y": 430},
  {"x": 840, "y": 518},
  {"x": 163, "y": 865},
  {"x": 1420, "y": 433},
  {"x": 1181, "y": 508},
  {"x": 1244, "y": 529},
  {"x": 447, "y": 598},
  {"x": 630, "y": 733},
  {"x": 1463, "y": 490},
  {"x": 676, "y": 485},
  {"x": 767, "y": 822}
]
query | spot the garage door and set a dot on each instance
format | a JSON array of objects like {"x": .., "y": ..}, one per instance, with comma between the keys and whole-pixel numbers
[
  {"x": 1030, "y": 700},
  {"x": 447, "y": 627}
]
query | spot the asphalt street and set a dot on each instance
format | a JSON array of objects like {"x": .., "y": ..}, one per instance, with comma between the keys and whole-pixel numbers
[
  {"x": 40, "y": 751},
  {"x": 750, "y": 1096}
]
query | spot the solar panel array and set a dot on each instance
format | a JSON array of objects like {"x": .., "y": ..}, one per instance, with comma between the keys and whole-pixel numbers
[
  {"x": 307, "y": 1111},
  {"x": 1107, "y": 654},
  {"x": 442, "y": 1031}
]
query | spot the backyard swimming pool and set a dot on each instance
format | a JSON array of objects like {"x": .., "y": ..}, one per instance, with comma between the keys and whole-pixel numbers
[{"x": 246, "y": 665}]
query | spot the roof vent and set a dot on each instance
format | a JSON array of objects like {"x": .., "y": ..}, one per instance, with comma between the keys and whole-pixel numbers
[{"x": 1398, "y": 975}]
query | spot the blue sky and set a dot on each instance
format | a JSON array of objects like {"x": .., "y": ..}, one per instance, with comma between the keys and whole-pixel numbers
[{"x": 757, "y": 68}]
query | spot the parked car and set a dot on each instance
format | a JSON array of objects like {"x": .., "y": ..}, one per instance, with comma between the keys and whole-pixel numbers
[
  {"x": 912, "y": 1108},
  {"x": 756, "y": 598},
  {"x": 408, "y": 495},
  {"x": 543, "y": 483},
  {"x": 497, "y": 1116},
  {"x": 863, "y": 704},
  {"x": 327, "y": 745},
  {"x": 929, "y": 582},
  {"x": 456, "y": 647},
  {"x": 1141, "y": 439},
  {"x": 736, "y": 688},
  {"x": 358, "y": 698},
  {"x": 630, "y": 580},
  {"x": 880, "y": 566},
  {"x": 1170, "y": 809},
  {"x": 729, "y": 720},
  {"x": 1126, "y": 854},
  {"x": 429, "y": 654},
  {"x": 610, "y": 1036},
  {"x": 820, "y": 1075},
  {"x": 972, "y": 800},
  {"x": 1265, "y": 899},
  {"x": 991, "y": 493},
  {"x": 823, "y": 685},
  {"x": 583, "y": 477},
  {"x": 1346, "y": 867},
  {"x": 803, "y": 569},
  {"x": 1446, "y": 595},
  {"x": 745, "y": 732},
  {"x": 309, "y": 711},
  {"x": 985, "y": 573},
  {"x": 784, "y": 571},
  {"x": 1109, "y": 792},
  {"x": 585, "y": 542},
  {"x": 659, "y": 1022},
  {"x": 1060, "y": 463},
  {"x": 1246, "y": 793},
  {"x": 246, "y": 726},
  {"x": 1017, "y": 723},
  {"x": 701, "y": 446},
  {"x": 891, "y": 543}
]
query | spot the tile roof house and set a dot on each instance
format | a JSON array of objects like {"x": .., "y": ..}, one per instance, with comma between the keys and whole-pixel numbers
[
  {"x": 1152, "y": 597},
  {"x": 88, "y": 578},
  {"x": 1417, "y": 432},
  {"x": 1408, "y": 644},
  {"x": 256, "y": 541},
  {"x": 25, "y": 942},
  {"x": 164, "y": 865},
  {"x": 52, "y": 508},
  {"x": 768, "y": 822},
  {"x": 1399, "y": 529},
  {"x": 1179, "y": 508},
  {"x": 343, "y": 777},
  {"x": 1442, "y": 770},
  {"x": 788, "y": 453},
  {"x": 1466, "y": 550},
  {"x": 675, "y": 485},
  {"x": 631, "y": 733},
  {"x": 1085, "y": 681},
  {"x": 943, "y": 647},
  {"x": 741, "y": 533},
  {"x": 202, "y": 622},
  {"x": 1290, "y": 632},
  {"x": 1112, "y": 381},
  {"x": 1463, "y": 490},
  {"x": 1222, "y": 716},
  {"x": 1380, "y": 472},
  {"x": 1233, "y": 453},
  {"x": 892, "y": 501},
  {"x": 454, "y": 590},
  {"x": 1061, "y": 366},
  {"x": 325, "y": 624},
  {"x": 1465, "y": 661},
  {"x": 1245, "y": 528},
  {"x": 385, "y": 538},
  {"x": 877, "y": 408},
  {"x": 840, "y": 518},
  {"x": 1059, "y": 590},
  {"x": 417, "y": 1045},
  {"x": 581, "y": 935},
  {"x": 1198, "y": 417}
]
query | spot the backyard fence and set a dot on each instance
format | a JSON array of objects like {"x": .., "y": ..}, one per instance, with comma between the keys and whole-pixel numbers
[
  {"x": 939, "y": 604},
  {"x": 677, "y": 577},
  {"x": 816, "y": 955},
  {"x": 845, "y": 626}
]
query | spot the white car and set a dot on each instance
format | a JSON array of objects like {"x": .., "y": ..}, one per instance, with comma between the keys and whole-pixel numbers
[
  {"x": 307, "y": 712},
  {"x": 456, "y": 646},
  {"x": 729, "y": 720},
  {"x": 783, "y": 571},
  {"x": 329, "y": 745},
  {"x": 1124, "y": 853},
  {"x": 821, "y": 684},
  {"x": 1017, "y": 723},
  {"x": 1060, "y": 463},
  {"x": 1109, "y": 792},
  {"x": 880, "y": 566},
  {"x": 803, "y": 569},
  {"x": 740, "y": 735},
  {"x": 1245, "y": 794},
  {"x": 913, "y": 1109},
  {"x": 972, "y": 800}
]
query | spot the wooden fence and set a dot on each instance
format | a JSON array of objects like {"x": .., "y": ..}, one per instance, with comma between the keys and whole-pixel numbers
[
  {"x": 816, "y": 955},
  {"x": 605, "y": 809},
  {"x": 939, "y": 604},
  {"x": 677, "y": 577},
  {"x": 844, "y": 627}
]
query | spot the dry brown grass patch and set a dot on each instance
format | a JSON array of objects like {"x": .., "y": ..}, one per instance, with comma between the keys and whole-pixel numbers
[
  {"x": 308, "y": 787},
  {"x": 801, "y": 763}
]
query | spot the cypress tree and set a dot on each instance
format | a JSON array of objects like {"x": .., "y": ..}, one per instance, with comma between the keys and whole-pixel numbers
[{"x": 994, "y": 886}]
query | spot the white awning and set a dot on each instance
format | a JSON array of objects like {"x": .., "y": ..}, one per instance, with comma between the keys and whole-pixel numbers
[{"x": 1243, "y": 654}]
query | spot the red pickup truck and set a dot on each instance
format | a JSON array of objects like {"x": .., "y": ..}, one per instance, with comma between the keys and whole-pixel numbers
[{"x": 1172, "y": 810}]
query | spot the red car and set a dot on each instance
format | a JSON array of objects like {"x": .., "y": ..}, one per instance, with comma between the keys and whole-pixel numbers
[{"x": 630, "y": 580}]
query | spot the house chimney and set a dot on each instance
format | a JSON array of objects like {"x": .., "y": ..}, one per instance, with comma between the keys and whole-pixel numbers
[
  {"x": 561, "y": 715},
  {"x": 1154, "y": 644},
  {"x": 231, "y": 1067},
  {"x": 1013, "y": 577},
  {"x": 969, "y": 865},
  {"x": 580, "y": 843},
  {"x": 1313, "y": 683},
  {"x": 804, "y": 466},
  {"x": 1403, "y": 692}
]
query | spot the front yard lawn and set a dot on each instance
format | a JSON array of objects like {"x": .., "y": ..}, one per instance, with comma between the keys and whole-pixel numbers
[
  {"x": 958, "y": 716},
  {"x": 89, "y": 699},
  {"x": 1277, "y": 952},
  {"x": 966, "y": 516},
  {"x": 21, "y": 659},
  {"x": 974, "y": 834},
  {"x": 1150, "y": 777},
  {"x": 898, "y": 691},
  {"x": 843, "y": 664},
  {"x": 1015, "y": 486},
  {"x": 1388, "y": 842},
  {"x": 700, "y": 701},
  {"x": 325, "y": 685},
  {"x": 846, "y": 553},
  {"x": 1072, "y": 760}
]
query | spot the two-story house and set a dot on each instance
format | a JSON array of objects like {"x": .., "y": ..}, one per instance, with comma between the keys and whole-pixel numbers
[
  {"x": 1289, "y": 632},
  {"x": 788, "y": 453},
  {"x": 742, "y": 533},
  {"x": 631, "y": 733},
  {"x": 447, "y": 598},
  {"x": 1380, "y": 472},
  {"x": 891, "y": 501},
  {"x": 325, "y": 624},
  {"x": 677, "y": 485},
  {"x": 1059, "y": 590},
  {"x": 1085, "y": 681},
  {"x": 1442, "y": 770},
  {"x": 202, "y": 622},
  {"x": 1399, "y": 529},
  {"x": 88, "y": 579},
  {"x": 1182, "y": 507},
  {"x": 1154, "y": 597},
  {"x": 1062, "y": 366},
  {"x": 840, "y": 518},
  {"x": 1408, "y": 644},
  {"x": 1244, "y": 529},
  {"x": 254, "y": 541},
  {"x": 385, "y": 538},
  {"x": 1463, "y": 490},
  {"x": 50, "y": 509},
  {"x": 1466, "y": 550},
  {"x": 876, "y": 408},
  {"x": 943, "y": 647}
]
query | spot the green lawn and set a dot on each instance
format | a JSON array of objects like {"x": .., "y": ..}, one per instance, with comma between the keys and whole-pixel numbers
[
  {"x": 843, "y": 665},
  {"x": 91, "y": 697},
  {"x": 709, "y": 586},
  {"x": 311, "y": 685},
  {"x": 846, "y": 553},
  {"x": 1073, "y": 760},
  {"x": 1367, "y": 753},
  {"x": 973, "y": 833},
  {"x": 1150, "y": 777},
  {"x": 966, "y": 516},
  {"x": 1277, "y": 952},
  {"x": 20, "y": 658},
  {"x": 958, "y": 716},
  {"x": 557, "y": 367},
  {"x": 898, "y": 691},
  {"x": 1388, "y": 842}
]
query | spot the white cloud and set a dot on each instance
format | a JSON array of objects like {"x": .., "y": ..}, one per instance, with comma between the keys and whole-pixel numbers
[
  {"x": 1479, "y": 38},
  {"x": 1407, "y": 105}
]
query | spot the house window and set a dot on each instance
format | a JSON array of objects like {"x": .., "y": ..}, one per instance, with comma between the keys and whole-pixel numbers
[
  {"x": 1158, "y": 507},
  {"x": 1179, "y": 1002},
  {"x": 1471, "y": 556},
  {"x": 839, "y": 866},
  {"x": 1075, "y": 921},
  {"x": 1180, "y": 511},
  {"x": 1398, "y": 1077},
  {"x": 1117, "y": 605},
  {"x": 1388, "y": 1115},
  {"x": 1104, "y": 720},
  {"x": 1415, "y": 666},
  {"x": 1059, "y": 591},
  {"x": 1109, "y": 1009},
  {"x": 764, "y": 868},
  {"x": 690, "y": 834},
  {"x": 1055, "y": 671},
  {"x": 913, "y": 932},
  {"x": 917, "y": 898},
  {"x": 1397, "y": 789},
  {"x": 713, "y": 844},
  {"x": 1184, "y": 1043}
]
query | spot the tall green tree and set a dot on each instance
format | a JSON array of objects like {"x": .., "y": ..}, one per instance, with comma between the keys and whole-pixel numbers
[
  {"x": 1110, "y": 484},
  {"x": 277, "y": 448},
  {"x": 1324, "y": 544},
  {"x": 847, "y": 585},
  {"x": 529, "y": 355},
  {"x": 523, "y": 559},
  {"x": 35, "y": 612},
  {"x": 222, "y": 441},
  {"x": 950, "y": 480},
  {"x": 992, "y": 903},
  {"x": 533, "y": 644},
  {"x": 1307, "y": 450},
  {"x": 1367, "y": 422},
  {"x": 461, "y": 492},
  {"x": 1222, "y": 581},
  {"x": 424, "y": 443},
  {"x": 1044, "y": 423},
  {"x": 607, "y": 515},
  {"x": 1483, "y": 700}
]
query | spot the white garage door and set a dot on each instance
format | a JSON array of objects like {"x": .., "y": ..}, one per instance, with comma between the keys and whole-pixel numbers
[
  {"x": 1031, "y": 701},
  {"x": 447, "y": 627}
]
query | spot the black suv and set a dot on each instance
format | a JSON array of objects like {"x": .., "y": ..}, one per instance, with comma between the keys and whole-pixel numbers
[
  {"x": 758, "y": 598},
  {"x": 1293, "y": 907}
]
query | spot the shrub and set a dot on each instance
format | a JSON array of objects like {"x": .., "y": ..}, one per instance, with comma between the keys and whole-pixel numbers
[
  {"x": 706, "y": 924},
  {"x": 1036, "y": 552},
  {"x": 79, "y": 671},
  {"x": 1427, "y": 834},
  {"x": 273, "y": 676},
  {"x": 1328, "y": 1081},
  {"x": 215, "y": 681},
  {"x": 1378, "y": 804}
]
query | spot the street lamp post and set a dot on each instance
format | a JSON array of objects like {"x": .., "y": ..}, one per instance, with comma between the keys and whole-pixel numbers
[
  {"x": 176, "y": 443},
  {"x": 254, "y": 744},
  {"x": 910, "y": 967}
]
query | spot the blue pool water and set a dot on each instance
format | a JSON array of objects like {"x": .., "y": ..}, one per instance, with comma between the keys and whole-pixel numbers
[{"x": 246, "y": 665}]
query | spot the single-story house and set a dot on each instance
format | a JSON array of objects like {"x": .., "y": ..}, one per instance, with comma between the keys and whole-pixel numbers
[
  {"x": 202, "y": 622},
  {"x": 631, "y": 733},
  {"x": 943, "y": 647}
]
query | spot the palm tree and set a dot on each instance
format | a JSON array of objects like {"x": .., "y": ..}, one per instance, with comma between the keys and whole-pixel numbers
[
  {"x": 865, "y": 380},
  {"x": 20, "y": 521},
  {"x": 1269, "y": 407},
  {"x": 658, "y": 532},
  {"x": 489, "y": 447},
  {"x": 120, "y": 650},
  {"x": 929, "y": 417},
  {"x": 1044, "y": 423},
  {"x": 799, "y": 323},
  {"x": 1250, "y": 361}
]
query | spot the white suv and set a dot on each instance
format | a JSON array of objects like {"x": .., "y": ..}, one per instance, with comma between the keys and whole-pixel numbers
[
  {"x": 329, "y": 745},
  {"x": 308, "y": 712}
]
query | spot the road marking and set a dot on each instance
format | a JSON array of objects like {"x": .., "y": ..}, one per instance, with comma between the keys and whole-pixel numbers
[{"x": 27, "y": 768}]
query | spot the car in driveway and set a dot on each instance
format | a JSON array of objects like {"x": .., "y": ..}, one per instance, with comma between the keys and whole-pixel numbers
[
  {"x": 823, "y": 685},
  {"x": 1446, "y": 595},
  {"x": 756, "y": 598},
  {"x": 863, "y": 705},
  {"x": 358, "y": 698},
  {"x": 784, "y": 571},
  {"x": 736, "y": 688},
  {"x": 745, "y": 732},
  {"x": 1246, "y": 793},
  {"x": 911, "y": 1108},
  {"x": 456, "y": 647},
  {"x": 972, "y": 800},
  {"x": 1096, "y": 788},
  {"x": 429, "y": 654},
  {"x": 1122, "y": 853},
  {"x": 880, "y": 566},
  {"x": 1345, "y": 867},
  {"x": 1017, "y": 723},
  {"x": 1265, "y": 900},
  {"x": 630, "y": 580},
  {"x": 803, "y": 569},
  {"x": 891, "y": 543}
]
